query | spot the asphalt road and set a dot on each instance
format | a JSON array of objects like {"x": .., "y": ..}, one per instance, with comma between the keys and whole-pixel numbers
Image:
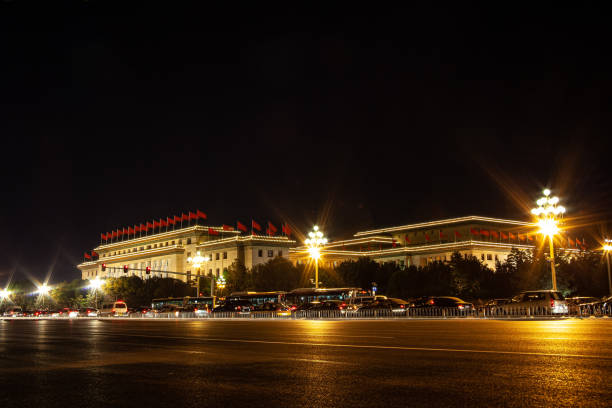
[{"x": 455, "y": 363}]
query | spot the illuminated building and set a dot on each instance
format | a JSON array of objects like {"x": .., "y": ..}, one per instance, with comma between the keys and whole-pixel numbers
[
  {"x": 166, "y": 253},
  {"x": 488, "y": 239}
]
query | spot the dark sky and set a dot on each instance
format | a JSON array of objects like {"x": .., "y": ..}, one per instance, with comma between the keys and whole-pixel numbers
[{"x": 354, "y": 118}]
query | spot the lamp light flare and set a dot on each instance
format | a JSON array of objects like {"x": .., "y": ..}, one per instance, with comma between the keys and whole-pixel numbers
[
  {"x": 43, "y": 289},
  {"x": 546, "y": 192},
  {"x": 5, "y": 294},
  {"x": 96, "y": 284}
]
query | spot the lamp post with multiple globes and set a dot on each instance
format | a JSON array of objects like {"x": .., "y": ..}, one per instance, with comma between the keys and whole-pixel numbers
[
  {"x": 607, "y": 248},
  {"x": 549, "y": 213},
  {"x": 315, "y": 242}
]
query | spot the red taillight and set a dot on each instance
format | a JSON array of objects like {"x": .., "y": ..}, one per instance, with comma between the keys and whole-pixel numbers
[
  {"x": 552, "y": 303},
  {"x": 195, "y": 310},
  {"x": 431, "y": 302},
  {"x": 238, "y": 307},
  {"x": 402, "y": 306},
  {"x": 293, "y": 307},
  {"x": 460, "y": 306}
]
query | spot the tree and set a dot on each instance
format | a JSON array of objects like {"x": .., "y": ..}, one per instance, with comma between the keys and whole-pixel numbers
[
  {"x": 276, "y": 274},
  {"x": 237, "y": 277}
]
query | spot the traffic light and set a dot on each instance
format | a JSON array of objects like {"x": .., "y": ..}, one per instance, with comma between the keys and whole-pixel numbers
[
  {"x": 125, "y": 269},
  {"x": 103, "y": 267},
  {"x": 148, "y": 270}
]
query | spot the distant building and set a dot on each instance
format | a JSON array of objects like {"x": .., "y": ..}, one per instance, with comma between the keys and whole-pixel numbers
[
  {"x": 167, "y": 253},
  {"x": 488, "y": 239}
]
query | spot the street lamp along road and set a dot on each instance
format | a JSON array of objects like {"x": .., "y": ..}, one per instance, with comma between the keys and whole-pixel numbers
[
  {"x": 95, "y": 285},
  {"x": 197, "y": 262},
  {"x": 43, "y": 291},
  {"x": 5, "y": 294},
  {"x": 607, "y": 248},
  {"x": 315, "y": 242},
  {"x": 547, "y": 213}
]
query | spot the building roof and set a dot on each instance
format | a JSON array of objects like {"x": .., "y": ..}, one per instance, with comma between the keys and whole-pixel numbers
[{"x": 439, "y": 223}]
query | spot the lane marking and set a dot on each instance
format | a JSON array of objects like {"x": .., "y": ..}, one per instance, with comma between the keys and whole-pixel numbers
[{"x": 374, "y": 347}]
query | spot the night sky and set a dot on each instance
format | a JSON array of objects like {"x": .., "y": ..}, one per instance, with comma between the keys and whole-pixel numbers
[{"x": 351, "y": 118}]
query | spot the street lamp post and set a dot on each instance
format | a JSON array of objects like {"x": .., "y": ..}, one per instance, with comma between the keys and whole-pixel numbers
[
  {"x": 315, "y": 243},
  {"x": 43, "y": 291},
  {"x": 197, "y": 261},
  {"x": 547, "y": 213},
  {"x": 96, "y": 285},
  {"x": 607, "y": 249}
]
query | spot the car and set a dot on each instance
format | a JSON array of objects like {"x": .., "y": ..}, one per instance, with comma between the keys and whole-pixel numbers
[
  {"x": 89, "y": 312},
  {"x": 65, "y": 312},
  {"x": 599, "y": 307},
  {"x": 395, "y": 305},
  {"x": 236, "y": 306},
  {"x": 272, "y": 308},
  {"x": 574, "y": 303},
  {"x": 537, "y": 302},
  {"x": 138, "y": 311},
  {"x": 41, "y": 313},
  {"x": 444, "y": 302},
  {"x": 495, "y": 305},
  {"x": 328, "y": 305},
  {"x": 15, "y": 311}
]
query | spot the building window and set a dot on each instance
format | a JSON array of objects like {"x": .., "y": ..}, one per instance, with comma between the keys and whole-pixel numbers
[
  {"x": 225, "y": 255},
  {"x": 173, "y": 242},
  {"x": 155, "y": 246},
  {"x": 188, "y": 241},
  {"x": 260, "y": 253},
  {"x": 496, "y": 257},
  {"x": 217, "y": 272},
  {"x": 142, "y": 248},
  {"x": 210, "y": 257},
  {"x": 188, "y": 254},
  {"x": 180, "y": 242},
  {"x": 217, "y": 256},
  {"x": 210, "y": 272},
  {"x": 166, "y": 244},
  {"x": 482, "y": 257},
  {"x": 280, "y": 252},
  {"x": 489, "y": 257},
  {"x": 270, "y": 253}
]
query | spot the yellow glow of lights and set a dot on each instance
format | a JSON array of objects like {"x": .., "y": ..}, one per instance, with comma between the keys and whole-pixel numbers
[
  {"x": 548, "y": 226},
  {"x": 315, "y": 253},
  {"x": 43, "y": 290},
  {"x": 5, "y": 294},
  {"x": 197, "y": 260},
  {"x": 607, "y": 247},
  {"x": 96, "y": 283}
]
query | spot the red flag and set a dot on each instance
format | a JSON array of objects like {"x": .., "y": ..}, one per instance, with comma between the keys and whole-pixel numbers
[
  {"x": 119, "y": 232},
  {"x": 484, "y": 233},
  {"x": 407, "y": 239},
  {"x": 255, "y": 225},
  {"x": 125, "y": 231},
  {"x": 87, "y": 256},
  {"x": 136, "y": 228},
  {"x": 163, "y": 223},
  {"x": 185, "y": 217},
  {"x": 112, "y": 234},
  {"x": 577, "y": 241},
  {"x": 94, "y": 253},
  {"x": 512, "y": 236},
  {"x": 427, "y": 236},
  {"x": 177, "y": 218},
  {"x": 494, "y": 234},
  {"x": 286, "y": 229},
  {"x": 530, "y": 237},
  {"x": 571, "y": 242},
  {"x": 131, "y": 230},
  {"x": 155, "y": 224},
  {"x": 227, "y": 228},
  {"x": 442, "y": 235},
  {"x": 241, "y": 226},
  {"x": 170, "y": 220},
  {"x": 192, "y": 216},
  {"x": 212, "y": 232},
  {"x": 521, "y": 237},
  {"x": 393, "y": 243},
  {"x": 474, "y": 231},
  {"x": 143, "y": 227},
  {"x": 150, "y": 225},
  {"x": 272, "y": 228},
  {"x": 504, "y": 236},
  {"x": 457, "y": 234},
  {"x": 103, "y": 236},
  {"x": 200, "y": 214}
]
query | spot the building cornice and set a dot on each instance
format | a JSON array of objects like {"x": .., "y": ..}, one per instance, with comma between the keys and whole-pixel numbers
[
  {"x": 246, "y": 239},
  {"x": 471, "y": 218},
  {"x": 147, "y": 253},
  {"x": 162, "y": 235}
]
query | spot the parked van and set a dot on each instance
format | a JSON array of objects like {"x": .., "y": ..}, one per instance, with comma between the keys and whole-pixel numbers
[{"x": 118, "y": 308}]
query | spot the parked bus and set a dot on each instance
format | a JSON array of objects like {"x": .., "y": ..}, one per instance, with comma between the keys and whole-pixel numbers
[
  {"x": 309, "y": 295},
  {"x": 259, "y": 298},
  {"x": 158, "y": 304}
]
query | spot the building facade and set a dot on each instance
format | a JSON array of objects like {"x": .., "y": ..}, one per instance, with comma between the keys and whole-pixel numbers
[
  {"x": 167, "y": 253},
  {"x": 488, "y": 239}
]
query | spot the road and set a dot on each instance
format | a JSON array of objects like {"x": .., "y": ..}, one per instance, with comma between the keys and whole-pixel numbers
[{"x": 454, "y": 363}]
